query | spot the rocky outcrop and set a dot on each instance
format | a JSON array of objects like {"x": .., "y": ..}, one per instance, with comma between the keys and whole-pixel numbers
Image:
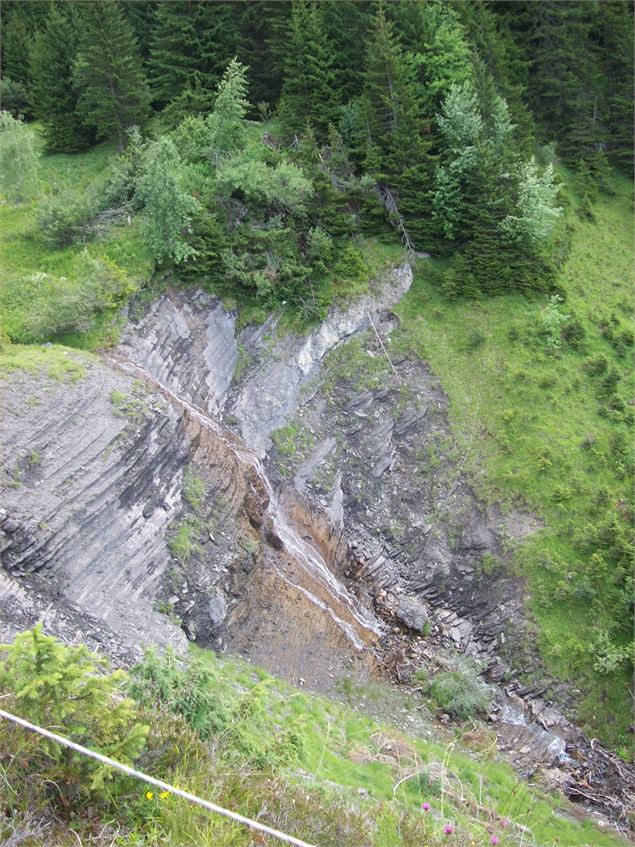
[{"x": 188, "y": 343}]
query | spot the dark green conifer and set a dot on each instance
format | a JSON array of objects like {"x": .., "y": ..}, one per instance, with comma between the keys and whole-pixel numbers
[
  {"x": 398, "y": 149},
  {"x": 114, "y": 95},
  {"x": 309, "y": 91},
  {"x": 565, "y": 86},
  {"x": 19, "y": 23},
  {"x": 191, "y": 44},
  {"x": 53, "y": 92}
]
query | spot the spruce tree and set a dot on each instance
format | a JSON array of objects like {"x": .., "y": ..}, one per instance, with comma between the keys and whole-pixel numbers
[
  {"x": 173, "y": 50},
  {"x": 616, "y": 44},
  {"x": 565, "y": 88},
  {"x": 190, "y": 46},
  {"x": 142, "y": 15},
  {"x": 20, "y": 22},
  {"x": 347, "y": 28},
  {"x": 389, "y": 89},
  {"x": 496, "y": 48},
  {"x": 438, "y": 42},
  {"x": 264, "y": 34},
  {"x": 53, "y": 91},
  {"x": 114, "y": 95},
  {"x": 16, "y": 48},
  {"x": 398, "y": 153},
  {"x": 309, "y": 92}
]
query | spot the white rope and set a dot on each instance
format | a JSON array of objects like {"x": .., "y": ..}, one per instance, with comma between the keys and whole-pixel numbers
[
  {"x": 382, "y": 344},
  {"x": 157, "y": 783}
]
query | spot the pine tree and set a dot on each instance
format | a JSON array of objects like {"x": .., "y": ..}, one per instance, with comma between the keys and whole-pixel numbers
[
  {"x": 53, "y": 92},
  {"x": 114, "y": 95},
  {"x": 309, "y": 93}
]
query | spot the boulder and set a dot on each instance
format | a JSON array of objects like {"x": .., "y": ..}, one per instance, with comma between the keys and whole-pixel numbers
[{"x": 411, "y": 612}]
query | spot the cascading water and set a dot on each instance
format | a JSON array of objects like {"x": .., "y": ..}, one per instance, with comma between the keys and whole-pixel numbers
[{"x": 362, "y": 627}]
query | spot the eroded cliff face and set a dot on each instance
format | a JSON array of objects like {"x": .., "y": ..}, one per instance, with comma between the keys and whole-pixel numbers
[
  {"x": 99, "y": 534},
  {"x": 363, "y": 459}
]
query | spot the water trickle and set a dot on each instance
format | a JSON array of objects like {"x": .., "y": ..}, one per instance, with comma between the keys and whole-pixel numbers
[{"x": 362, "y": 627}]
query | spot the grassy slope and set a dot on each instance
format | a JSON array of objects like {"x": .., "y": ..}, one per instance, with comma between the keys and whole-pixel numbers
[
  {"x": 340, "y": 755},
  {"x": 25, "y": 256},
  {"x": 521, "y": 414}
]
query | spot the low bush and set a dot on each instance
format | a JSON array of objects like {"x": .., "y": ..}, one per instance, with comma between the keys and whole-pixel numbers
[
  {"x": 71, "y": 689},
  {"x": 184, "y": 689},
  {"x": 61, "y": 305},
  {"x": 64, "y": 218},
  {"x": 573, "y": 333},
  {"x": 350, "y": 271},
  {"x": 460, "y": 692}
]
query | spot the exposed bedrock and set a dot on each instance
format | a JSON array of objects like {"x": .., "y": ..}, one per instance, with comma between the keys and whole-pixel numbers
[
  {"x": 370, "y": 460},
  {"x": 289, "y": 497},
  {"x": 87, "y": 496},
  {"x": 187, "y": 342}
]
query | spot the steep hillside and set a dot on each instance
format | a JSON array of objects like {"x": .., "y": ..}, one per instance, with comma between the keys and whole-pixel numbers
[{"x": 543, "y": 416}]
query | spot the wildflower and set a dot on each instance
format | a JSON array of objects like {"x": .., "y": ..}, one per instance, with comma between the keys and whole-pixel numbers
[
  {"x": 149, "y": 795},
  {"x": 425, "y": 807},
  {"x": 164, "y": 794},
  {"x": 494, "y": 840},
  {"x": 504, "y": 823},
  {"x": 448, "y": 829}
]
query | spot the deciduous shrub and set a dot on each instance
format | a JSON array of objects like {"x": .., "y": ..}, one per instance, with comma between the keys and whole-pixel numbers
[
  {"x": 19, "y": 159},
  {"x": 63, "y": 305}
]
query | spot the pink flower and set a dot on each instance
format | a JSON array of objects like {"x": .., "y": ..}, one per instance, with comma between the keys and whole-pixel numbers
[
  {"x": 448, "y": 829},
  {"x": 425, "y": 807},
  {"x": 494, "y": 840},
  {"x": 504, "y": 823}
]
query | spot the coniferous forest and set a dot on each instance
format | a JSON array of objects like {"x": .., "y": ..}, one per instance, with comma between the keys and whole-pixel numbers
[
  {"x": 441, "y": 120},
  {"x": 281, "y": 157}
]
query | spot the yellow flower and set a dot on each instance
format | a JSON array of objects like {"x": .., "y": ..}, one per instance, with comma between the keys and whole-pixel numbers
[
  {"x": 149, "y": 795},
  {"x": 164, "y": 794}
]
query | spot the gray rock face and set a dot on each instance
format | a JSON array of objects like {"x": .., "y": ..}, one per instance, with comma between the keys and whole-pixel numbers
[
  {"x": 90, "y": 498},
  {"x": 395, "y": 472},
  {"x": 273, "y": 388},
  {"x": 187, "y": 343},
  {"x": 95, "y": 482}
]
